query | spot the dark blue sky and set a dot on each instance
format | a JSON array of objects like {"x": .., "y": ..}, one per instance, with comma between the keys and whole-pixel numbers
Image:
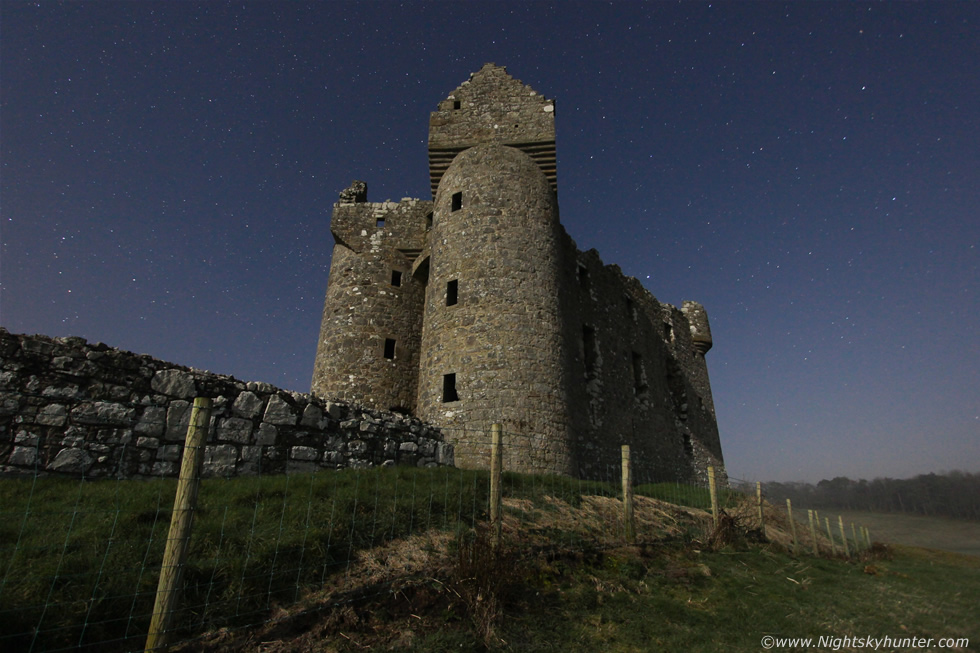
[{"x": 810, "y": 172}]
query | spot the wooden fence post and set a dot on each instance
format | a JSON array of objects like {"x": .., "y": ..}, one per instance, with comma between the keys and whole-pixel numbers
[
  {"x": 758, "y": 498},
  {"x": 843, "y": 536},
  {"x": 496, "y": 497},
  {"x": 713, "y": 489},
  {"x": 792, "y": 525},
  {"x": 181, "y": 521},
  {"x": 854, "y": 536},
  {"x": 867, "y": 536},
  {"x": 830, "y": 536},
  {"x": 813, "y": 532},
  {"x": 628, "y": 494}
]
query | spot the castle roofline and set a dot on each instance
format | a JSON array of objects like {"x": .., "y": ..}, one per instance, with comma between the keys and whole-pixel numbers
[{"x": 493, "y": 107}]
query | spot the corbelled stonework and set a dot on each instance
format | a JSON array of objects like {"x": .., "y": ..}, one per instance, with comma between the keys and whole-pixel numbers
[{"x": 477, "y": 307}]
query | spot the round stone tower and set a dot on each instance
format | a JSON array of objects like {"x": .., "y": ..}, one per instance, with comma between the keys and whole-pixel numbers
[{"x": 491, "y": 335}]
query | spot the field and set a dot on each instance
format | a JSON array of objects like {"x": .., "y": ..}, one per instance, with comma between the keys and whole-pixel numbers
[{"x": 915, "y": 530}]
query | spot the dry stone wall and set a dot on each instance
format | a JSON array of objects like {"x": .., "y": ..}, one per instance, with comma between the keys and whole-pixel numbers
[{"x": 71, "y": 407}]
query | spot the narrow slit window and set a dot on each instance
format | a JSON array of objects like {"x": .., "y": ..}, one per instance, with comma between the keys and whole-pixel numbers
[
  {"x": 639, "y": 377},
  {"x": 583, "y": 277},
  {"x": 380, "y": 222},
  {"x": 396, "y": 278},
  {"x": 449, "y": 388},
  {"x": 589, "y": 351},
  {"x": 631, "y": 309},
  {"x": 457, "y": 201},
  {"x": 452, "y": 292},
  {"x": 389, "y": 348},
  {"x": 428, "y": 221},
  {"x": 456, "y": 104},
  {"x": 668, "y": 332}
]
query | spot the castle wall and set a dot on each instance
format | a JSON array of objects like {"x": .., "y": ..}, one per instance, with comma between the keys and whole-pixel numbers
[
  {"x": 635, "y": 376},
  {"x": 371, "y": 330},
  {"x": 73, "y": 408},
  {"x": 497, "y": 249}
]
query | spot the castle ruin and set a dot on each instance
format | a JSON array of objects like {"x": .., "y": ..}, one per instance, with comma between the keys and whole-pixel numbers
[{"x": 476, "y": 307}]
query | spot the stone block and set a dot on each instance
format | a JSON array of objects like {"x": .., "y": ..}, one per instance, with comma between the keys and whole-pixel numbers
[
  {"x": 311, "y": 415},
  {"x": 358, "y": 447},
  {"x": 178, "y": 417},
  {"x": 247, "y": 404},
  {"x": 27, "y": 439},
  {"x": 52, "y": 415},
  {"x": 9, "y": 404},
  {"x": 301, "y": 467},
  {"x": 304, "y": 453},
  {"x": 174, "y": 383},
  {"x": 152, "y": 422},
  {"x": 220, "y": 460},
  {"x": 278, "y": 412},
  {"x": 170, "y": 452},
  {"x": 23, "y": 456},
  {"x": 235, "y": 429},
  {"x": 71, "y": 461},
  {"x": 264, "y": 388},
  {"x": 266, "y": 435},
  {"x": 63, "y": 392},
  {"x": 103, "y": 413},
  {"x": 163, "y": 468}
]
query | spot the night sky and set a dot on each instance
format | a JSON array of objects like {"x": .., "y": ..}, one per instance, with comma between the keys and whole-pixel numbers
[{"x": 810, "y": 172}]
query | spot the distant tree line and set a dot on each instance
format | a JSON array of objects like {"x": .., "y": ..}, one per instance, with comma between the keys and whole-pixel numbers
[{"x": 953, "y": 494}]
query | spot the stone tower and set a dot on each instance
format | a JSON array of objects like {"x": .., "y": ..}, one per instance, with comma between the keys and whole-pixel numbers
[{"x": 477, "y": 308}]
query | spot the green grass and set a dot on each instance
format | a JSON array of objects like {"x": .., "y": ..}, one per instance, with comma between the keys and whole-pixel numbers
[
  {"x": 79, "y": 563},
  {"x": 956, "y": 535},
  {"x": 80, "y": 560}
]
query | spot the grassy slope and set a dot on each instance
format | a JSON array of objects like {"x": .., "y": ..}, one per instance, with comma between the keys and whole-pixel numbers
[
  {"x": 388, "y": 560},
  {"x": 583, "y": 592}
]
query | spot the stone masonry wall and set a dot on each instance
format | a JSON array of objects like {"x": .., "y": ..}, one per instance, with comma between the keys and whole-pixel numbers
[
  {"x": 370, "y": 334},
  {"x": 70, "y": 407}
]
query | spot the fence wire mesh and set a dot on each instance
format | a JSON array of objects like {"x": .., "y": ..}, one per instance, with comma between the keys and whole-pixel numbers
[{"x": 80, "y": 558}]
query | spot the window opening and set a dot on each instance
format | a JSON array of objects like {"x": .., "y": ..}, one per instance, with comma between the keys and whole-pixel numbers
[
  {"x": 457, "y": 201},
  {"x": 688, "y": 445},
  {"x": 449, "y": 388},
  {"x": 380, "y": 222},
  {"x": 389, "y": 348},
  {"x": 456, "y": 104},
  {"x": 631, "y": 309},
  {"x": 583, "y": 277},
  {"x": 452, "y": 292},
  {"x": 668, "y": 332},
  {"x": 589, "y": 351},
  {"x": 639, "y": 378},
  {"x": 396, "y": 278},
  {"x": 428, "y": 221}
]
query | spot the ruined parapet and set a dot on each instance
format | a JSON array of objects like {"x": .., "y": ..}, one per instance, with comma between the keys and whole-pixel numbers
[
  {"x": 697, "y": 374},
  {"x": 700, "y": 330},
  {"x": 491, "y": 343},
  {"x": 493, "y": 107},
  {"x": 370, "y": 333},
  {"x": 355, "y": 193}
]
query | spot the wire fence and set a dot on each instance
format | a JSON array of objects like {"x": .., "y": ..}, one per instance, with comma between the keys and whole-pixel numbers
[{"x": 80, "y": 559}]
